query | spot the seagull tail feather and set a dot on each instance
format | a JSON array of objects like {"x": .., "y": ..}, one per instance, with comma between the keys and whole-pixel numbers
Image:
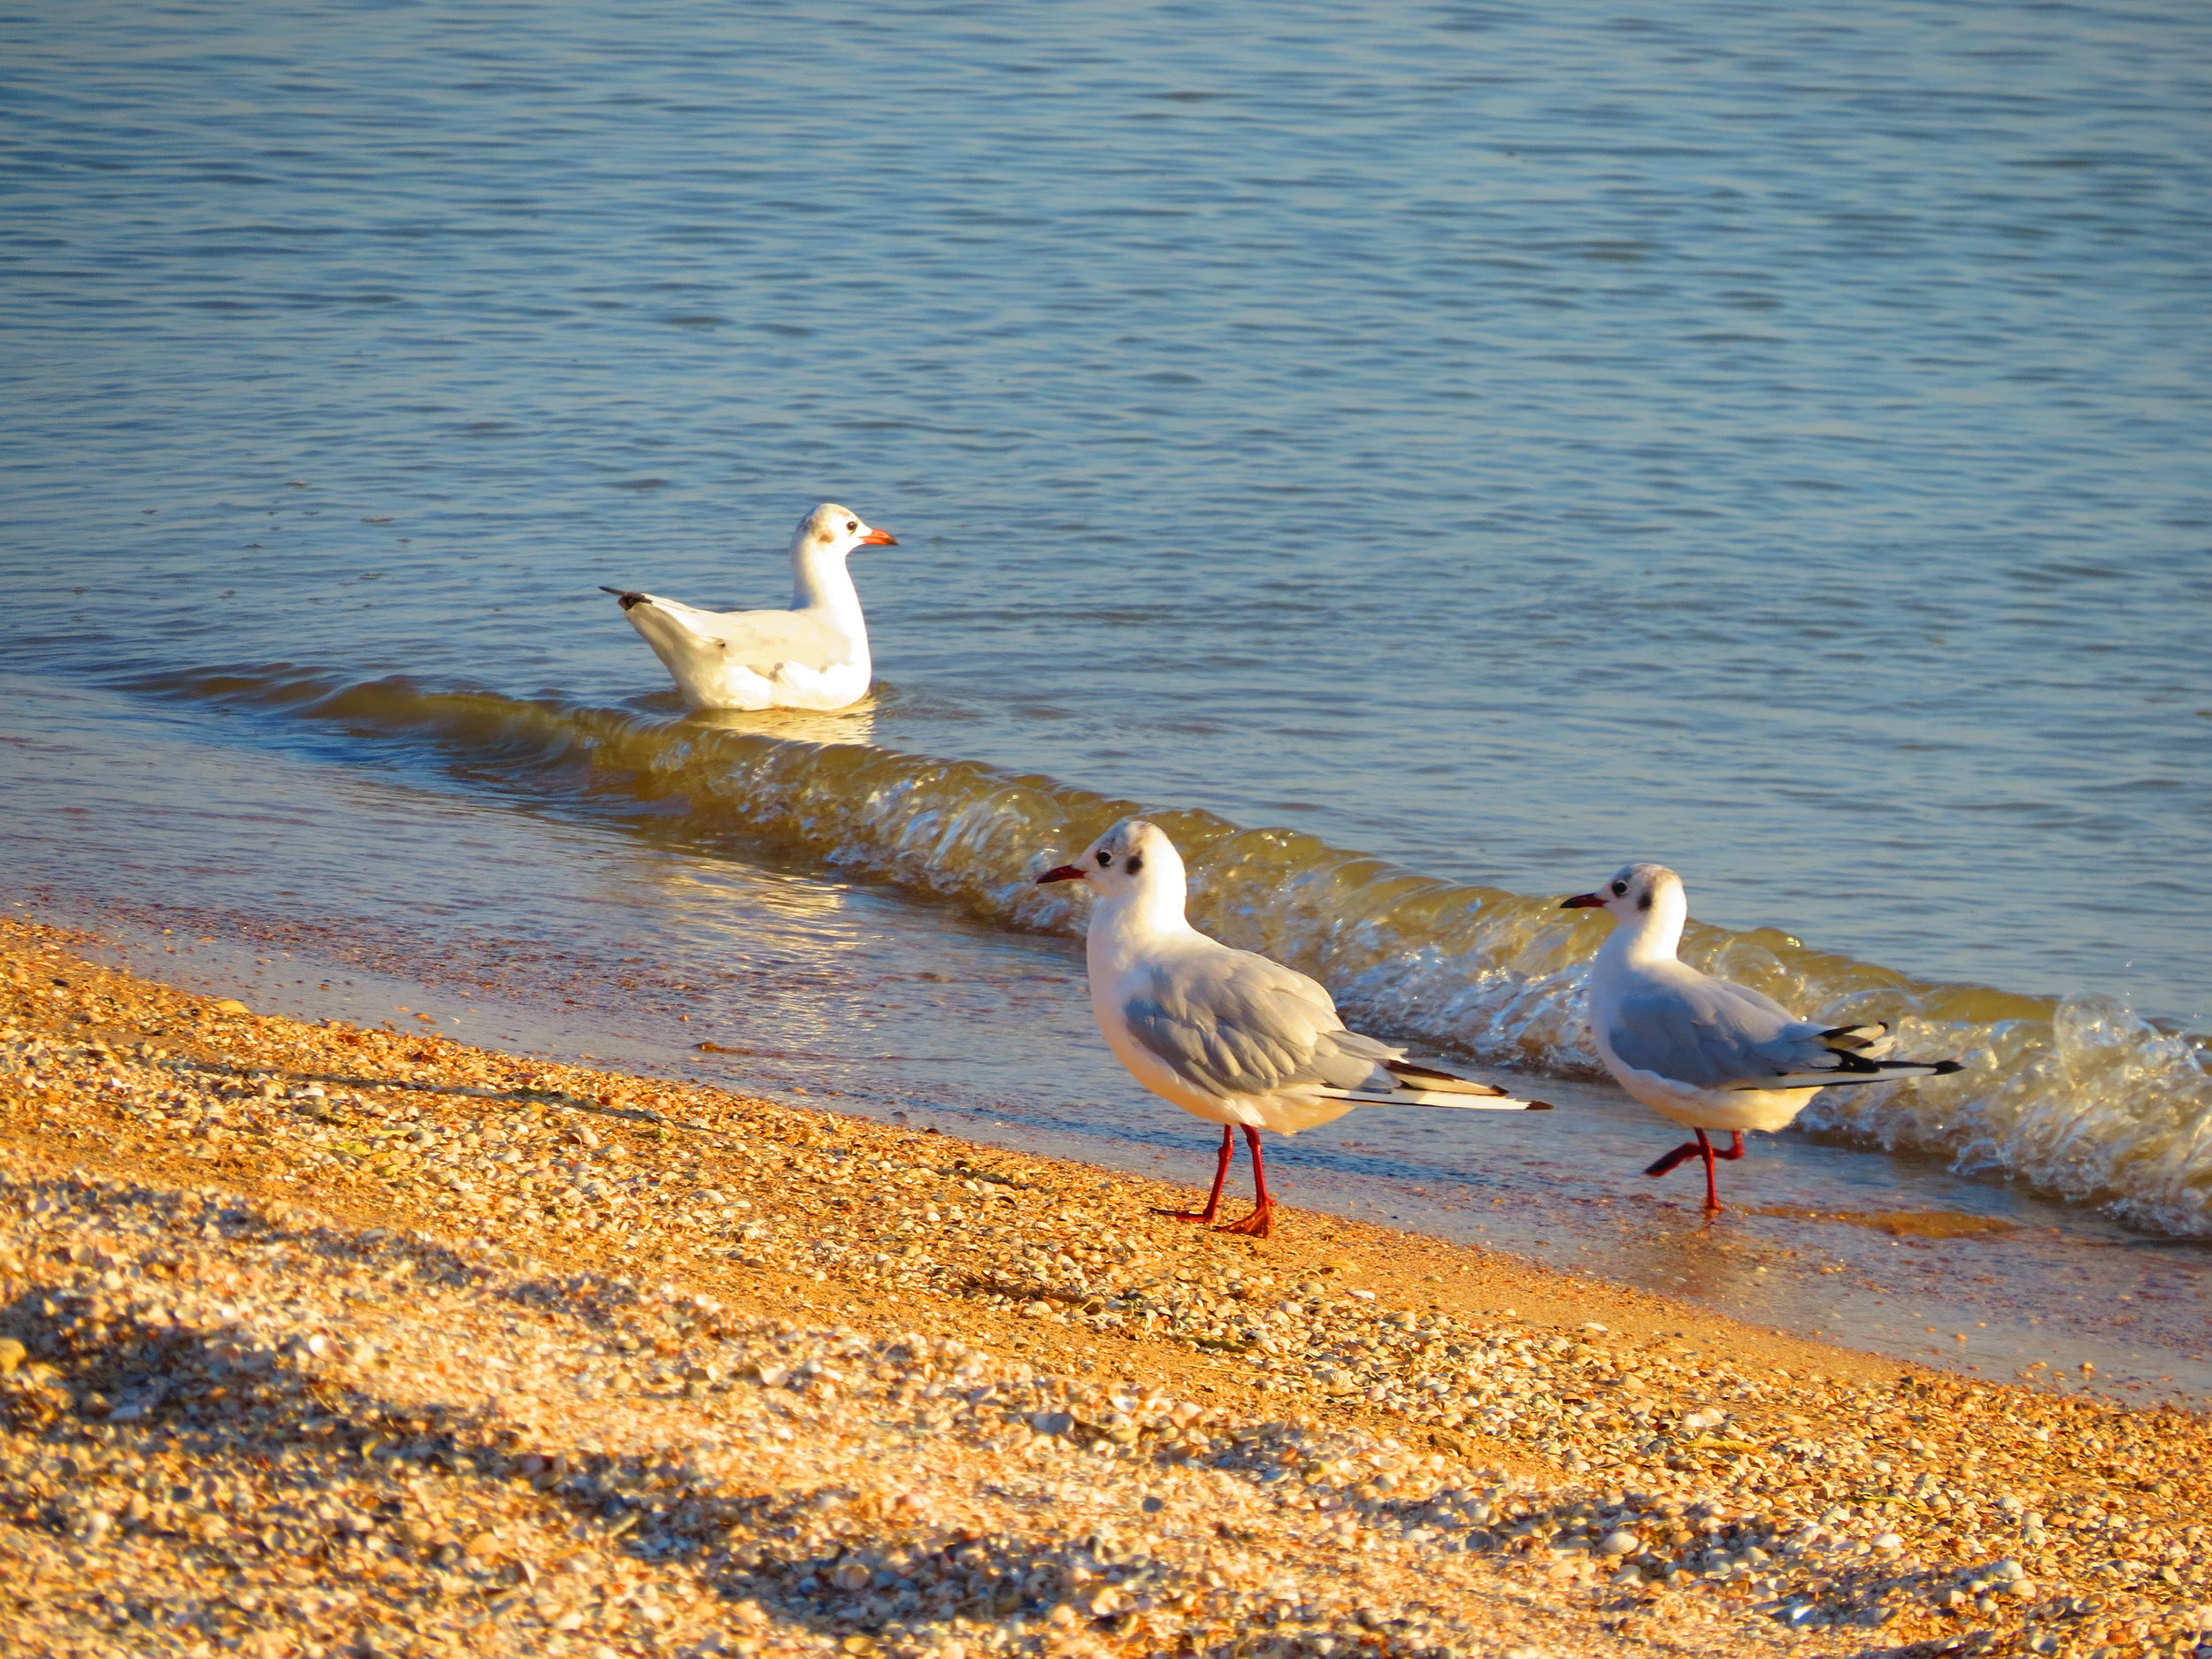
[
  {"x": 1863, "y": 1071},
  {"x": 1428, "y": 1076},
  {"x": 1425, "y": 1086},
  {"x": 1461, "y": 1100}
]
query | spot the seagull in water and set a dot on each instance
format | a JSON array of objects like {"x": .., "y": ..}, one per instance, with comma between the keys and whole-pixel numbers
[
  {"x": 814, "y": 655},
  {"x": 1228, "y": 1036},
  {"x": 1705, "y": 1053}
]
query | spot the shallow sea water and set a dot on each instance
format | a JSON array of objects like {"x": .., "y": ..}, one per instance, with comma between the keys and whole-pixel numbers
[{"x": 1504, "y": 441}]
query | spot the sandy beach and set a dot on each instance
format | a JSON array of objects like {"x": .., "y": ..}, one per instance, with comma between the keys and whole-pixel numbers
[{"x": 321, "y": 1340}]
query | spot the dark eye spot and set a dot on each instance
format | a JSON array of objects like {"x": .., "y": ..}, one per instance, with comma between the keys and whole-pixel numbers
[
  {"x": 1136, "y": 864},
  {"x": 1104, "y": 859},
  {"x": 852, "y": 524},
  {"x": 1619, "y": 888},
  {"x": 1643, "y": 900}
]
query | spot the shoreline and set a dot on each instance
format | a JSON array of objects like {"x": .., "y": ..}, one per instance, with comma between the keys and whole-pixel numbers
[
  {"x": 1871, "y": 1250},
  {"x": 1509, "y": 1454}
]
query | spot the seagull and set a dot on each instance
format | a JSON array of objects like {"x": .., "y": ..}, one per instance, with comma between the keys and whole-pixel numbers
[
  {"x": 1705, "y": 1053},
  {"x": 1229, "y": 1036},
  {"x": 814, "y": 655}
]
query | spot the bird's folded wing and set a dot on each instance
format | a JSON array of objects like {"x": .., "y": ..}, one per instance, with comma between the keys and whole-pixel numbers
[
  {"x": 762, "y": 640},
  {"x": 1707, "y": 1033},
  {"x": 1236, "y": 1023}
]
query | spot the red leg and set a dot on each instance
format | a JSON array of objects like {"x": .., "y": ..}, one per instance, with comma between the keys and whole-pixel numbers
[
  {"x": 1703, "y": 1148},
  {"x": 1712, "y": 1192},
  {"x": 1221, "y": 1176},
  {"x": 1260, "y": 1223},
  {"x": 1681, "y": 1155}
]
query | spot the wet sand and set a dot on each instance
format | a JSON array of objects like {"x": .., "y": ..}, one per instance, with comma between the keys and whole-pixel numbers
[{"x": 337, "y": 1340}]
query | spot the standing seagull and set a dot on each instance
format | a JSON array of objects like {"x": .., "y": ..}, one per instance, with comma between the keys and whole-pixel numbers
[
  {"x": 1228, "y": 1036},
  {"x": 1705, "y": 1053},
  {"x": 814, "y": 655}
]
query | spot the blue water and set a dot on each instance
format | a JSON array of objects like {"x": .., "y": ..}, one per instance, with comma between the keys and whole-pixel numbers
[
  {"x": 1510, "y": 440},
  {"x": 1770, "y": 439}
]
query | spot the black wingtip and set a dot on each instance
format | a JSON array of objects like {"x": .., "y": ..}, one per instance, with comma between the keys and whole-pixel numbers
[
  {"x": 623, "y": 594},
  {"x": 1944, "y": 1067},
  {"x": 1847, "y": 1061},
  {"x": 1541, "y": 1106}
]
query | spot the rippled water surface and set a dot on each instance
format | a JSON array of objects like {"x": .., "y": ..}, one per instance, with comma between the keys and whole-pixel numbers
[{"x": 1507, "y": 440}]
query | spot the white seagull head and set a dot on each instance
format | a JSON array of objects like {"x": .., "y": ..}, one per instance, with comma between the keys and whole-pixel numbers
[
  {"x": 1133, "y": 858},
  {"x": 1638, "y": 891},
  {"x": 831, "y": 532}
]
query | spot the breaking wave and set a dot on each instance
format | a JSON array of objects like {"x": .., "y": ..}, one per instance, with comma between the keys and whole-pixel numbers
[{"x": 2080, "y": 1098}]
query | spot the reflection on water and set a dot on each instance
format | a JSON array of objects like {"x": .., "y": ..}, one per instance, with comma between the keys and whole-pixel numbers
[{"x": 856, "y": 724}]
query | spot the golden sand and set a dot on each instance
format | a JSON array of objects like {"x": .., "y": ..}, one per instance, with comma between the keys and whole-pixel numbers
[{"x": 321, "y": 1340}]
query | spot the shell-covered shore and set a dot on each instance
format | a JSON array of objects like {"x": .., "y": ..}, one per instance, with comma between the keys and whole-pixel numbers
[{"x": 317, "y": 1339}]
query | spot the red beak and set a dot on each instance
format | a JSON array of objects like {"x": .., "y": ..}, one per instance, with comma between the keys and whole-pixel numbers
[
  {"x": 1064, "y": 872},
  {"x": 878, "y": 538},
  {"x": 1584, "y": 901}
]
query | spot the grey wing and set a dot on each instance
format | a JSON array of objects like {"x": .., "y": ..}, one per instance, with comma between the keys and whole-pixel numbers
[
  {"x": 760, "y": 640},
  {"x": 1236, "y": 1023},
  {"x": 1712, "y": 1034}
]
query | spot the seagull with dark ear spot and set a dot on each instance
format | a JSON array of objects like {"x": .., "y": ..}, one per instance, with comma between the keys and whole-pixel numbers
[
  {"x": 1227, "y": 1035},
  {"x": 1707, "y": 1053}
]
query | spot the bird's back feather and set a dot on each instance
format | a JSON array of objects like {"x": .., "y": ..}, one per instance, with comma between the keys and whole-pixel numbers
[{"x": 1236, "y": 1023}]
